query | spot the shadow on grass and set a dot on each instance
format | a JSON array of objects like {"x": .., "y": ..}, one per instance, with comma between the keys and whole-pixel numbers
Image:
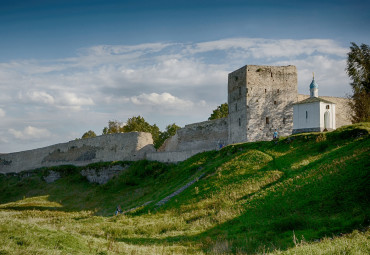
[{"x": 32, "y": 208}]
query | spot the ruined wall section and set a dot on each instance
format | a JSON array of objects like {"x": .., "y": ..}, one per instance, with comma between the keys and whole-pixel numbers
[
  {"x": 342, "y": 110},
  {"x": 123, "y": 146},
  {"x": 192, "y": 139},
  {"x": 271, "y": 92},
  {"x": 203, "y": 136}
]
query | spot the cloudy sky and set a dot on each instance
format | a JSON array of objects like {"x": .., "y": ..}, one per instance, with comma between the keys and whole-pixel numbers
[{"x": 70, "y": 66}]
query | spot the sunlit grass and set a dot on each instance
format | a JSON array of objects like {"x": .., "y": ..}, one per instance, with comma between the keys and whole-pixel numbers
[{"x": 254, "y": 198}]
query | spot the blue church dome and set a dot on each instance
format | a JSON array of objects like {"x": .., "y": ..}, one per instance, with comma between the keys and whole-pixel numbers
[{"x": 314, "y": 85}]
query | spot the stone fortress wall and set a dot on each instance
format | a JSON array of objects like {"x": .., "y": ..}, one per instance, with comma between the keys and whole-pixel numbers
[
  {"x": 193, "y": 139},
  {"x": 125, "y": 146},
  {"x": 207, "y": 135},
  {"x": 260, "y": 100}
]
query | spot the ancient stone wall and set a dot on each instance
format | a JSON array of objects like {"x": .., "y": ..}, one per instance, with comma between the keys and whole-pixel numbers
[
  {"x": 203, "y": 136},
  {"x": 342, "y": 110},
  {"x": 171, "y": 156},
  {"x": 123, "y": 146}
]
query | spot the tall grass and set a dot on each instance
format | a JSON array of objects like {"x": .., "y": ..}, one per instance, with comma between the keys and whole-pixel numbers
[{"x": 289, "y": 197}]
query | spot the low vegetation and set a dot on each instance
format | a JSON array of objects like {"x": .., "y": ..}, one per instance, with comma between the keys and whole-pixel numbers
[{"x": 303, "y": 194}]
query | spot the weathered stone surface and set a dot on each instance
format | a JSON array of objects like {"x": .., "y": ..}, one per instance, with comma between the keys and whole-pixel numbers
[
  {"x": 202, "y": 136},
  {"x": 52, "y": 177},
  {"x": 260, "y": 100},
  {"x": 114, "y": 147},
  {"x": 102, "y": 176},
  {"x": 172, "y": 156}
]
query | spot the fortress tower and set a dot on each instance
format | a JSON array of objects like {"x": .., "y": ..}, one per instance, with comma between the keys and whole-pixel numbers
[{"x": 260, "y": 100}]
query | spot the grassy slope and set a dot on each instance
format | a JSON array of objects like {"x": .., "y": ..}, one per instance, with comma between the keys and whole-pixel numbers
[{"x": 255, "y": 198}]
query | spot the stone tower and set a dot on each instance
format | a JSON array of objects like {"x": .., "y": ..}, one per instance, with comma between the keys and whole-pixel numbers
[{"x": 260, "y": 100}]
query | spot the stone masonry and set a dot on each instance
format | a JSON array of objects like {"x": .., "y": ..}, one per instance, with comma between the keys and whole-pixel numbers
[
  {"x": 260, "y": 100},
  {"x": 125, "y": 146}
]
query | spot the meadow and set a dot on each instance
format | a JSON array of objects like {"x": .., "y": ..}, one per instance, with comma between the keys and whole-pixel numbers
[{"x": 303, "y": 194}]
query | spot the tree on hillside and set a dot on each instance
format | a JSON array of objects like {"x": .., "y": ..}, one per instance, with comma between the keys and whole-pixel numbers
[
  {"x": 88, "y": 134},
  {"x": 221, "y": 111},
  {"x": 170, "y": 131},
  {"x": 140, "y": 125},
  {"x": 358, "y": 69},
  {"x": 113, "y": 127}
]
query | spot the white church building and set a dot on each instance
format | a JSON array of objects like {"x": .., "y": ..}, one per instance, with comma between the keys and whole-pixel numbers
[{"x": 313, "y": 114}]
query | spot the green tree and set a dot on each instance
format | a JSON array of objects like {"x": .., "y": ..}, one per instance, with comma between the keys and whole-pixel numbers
[
  {"x": 139, "y": 124},
  {"x": 170, "y": 131},
  {"x": 221, "y": 111},
  {"x": 358, "y": 69},
  {"x": 88, "y": 134},
  {"x": 113, "y": 127}
]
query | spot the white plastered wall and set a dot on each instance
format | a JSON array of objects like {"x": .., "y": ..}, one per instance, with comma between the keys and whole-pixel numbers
[{"x": 313, "y": 115}]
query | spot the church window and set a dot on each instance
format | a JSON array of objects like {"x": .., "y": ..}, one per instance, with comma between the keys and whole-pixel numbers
[
  {"x": 267, "y": 120},
  {"x": 328, "y": 107},
  {"x": 306, "y": 115}
]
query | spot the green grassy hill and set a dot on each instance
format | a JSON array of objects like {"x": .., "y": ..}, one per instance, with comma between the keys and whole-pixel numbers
[{"x": 304, "y": 194}]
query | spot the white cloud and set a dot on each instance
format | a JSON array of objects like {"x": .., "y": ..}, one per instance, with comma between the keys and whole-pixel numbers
[
  {"x": 71, "y": 99},
  {"x": 269, "y": 48},
  {"x": 103, "y": 50},
  {"x": 165, "y": 100},
  {"x": 30, "y": 132},
  {"x": 40, "y": 97},
  {"x": 2, "y": 113}
]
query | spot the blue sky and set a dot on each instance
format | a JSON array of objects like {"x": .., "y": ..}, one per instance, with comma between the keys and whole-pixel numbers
[{"x": 70, "y": 66}]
